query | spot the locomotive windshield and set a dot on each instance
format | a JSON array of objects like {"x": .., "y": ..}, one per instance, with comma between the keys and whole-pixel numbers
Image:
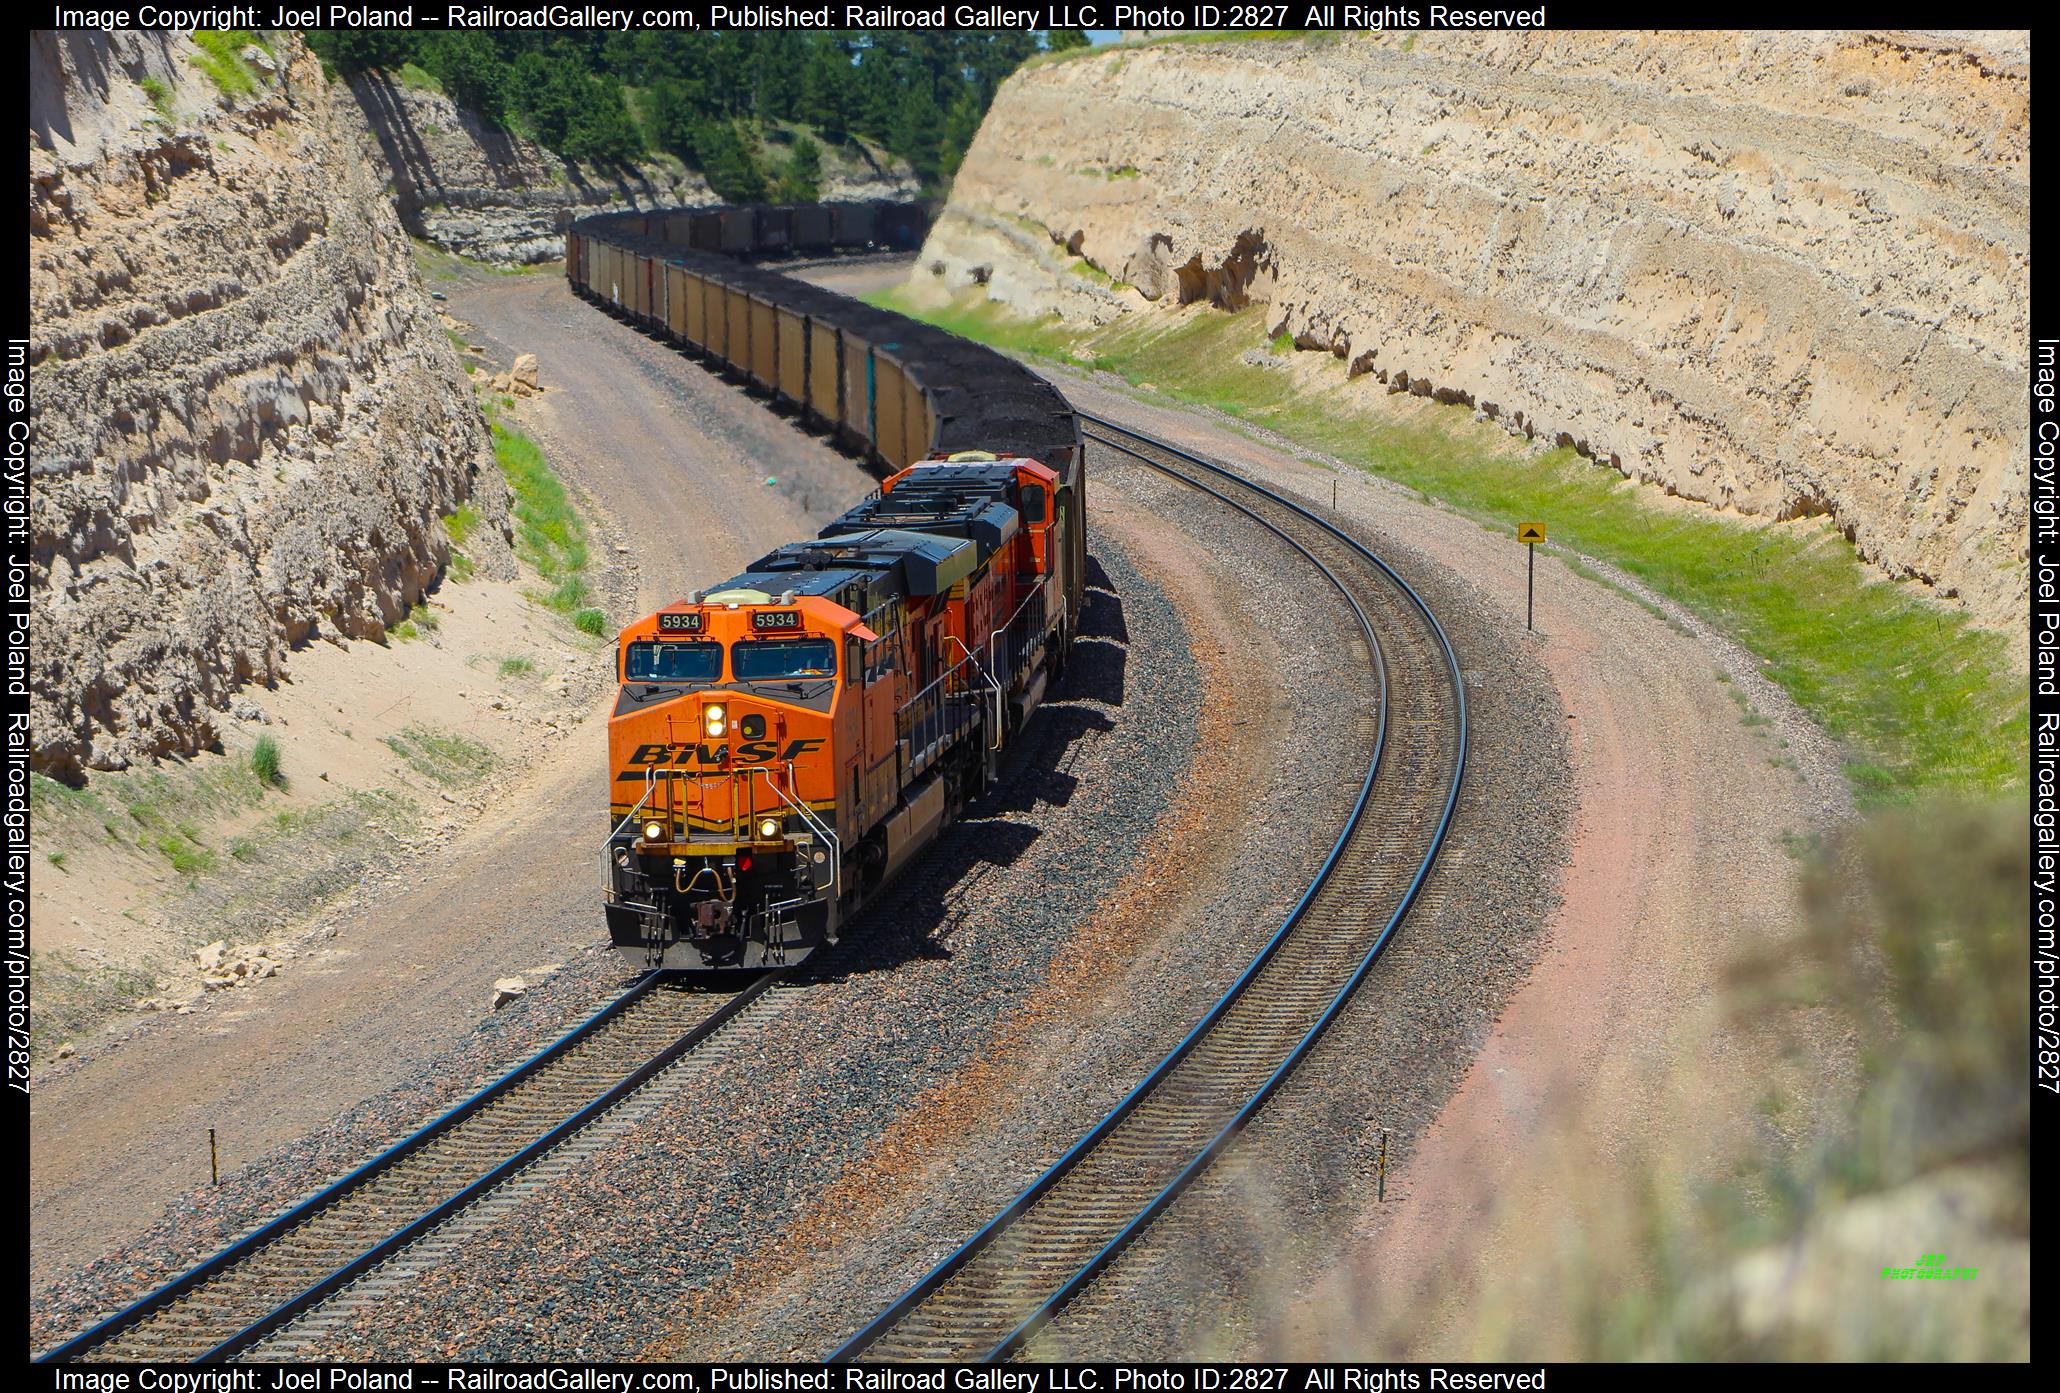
[
  {"x": 766, "y": 660},
  {"x": 673, "y": 662}
]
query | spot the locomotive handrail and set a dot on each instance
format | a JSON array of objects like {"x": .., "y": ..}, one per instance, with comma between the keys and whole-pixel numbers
[
  {"x": 650, "y": 787},
  {"x": 819, "y": 828},
  {"x": 993, "y": 739},
  {"x": 1036, "y": 594}
]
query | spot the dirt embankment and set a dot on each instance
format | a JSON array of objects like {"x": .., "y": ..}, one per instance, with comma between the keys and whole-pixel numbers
[
  {"x": 1782, "y": 273},
  {"x": 249, "y": 422},
  {"x": 474, "y": 189}
]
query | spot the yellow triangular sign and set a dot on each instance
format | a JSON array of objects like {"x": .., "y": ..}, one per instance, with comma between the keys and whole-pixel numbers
[{"x": 1530, "y": 533}]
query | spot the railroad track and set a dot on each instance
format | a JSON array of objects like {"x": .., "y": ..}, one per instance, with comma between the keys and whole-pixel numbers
[
  {"x": 991, "y": 1296},
  {"x": 539, "y": 1115}
]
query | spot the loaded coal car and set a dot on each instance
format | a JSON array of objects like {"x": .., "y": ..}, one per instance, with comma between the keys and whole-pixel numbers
[{"x": 784, "y": 742}]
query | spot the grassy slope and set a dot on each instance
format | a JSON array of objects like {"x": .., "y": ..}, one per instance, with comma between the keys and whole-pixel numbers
[
  {"x": 1910, "y": 914},
  {"x": 1922, "y": 701}
]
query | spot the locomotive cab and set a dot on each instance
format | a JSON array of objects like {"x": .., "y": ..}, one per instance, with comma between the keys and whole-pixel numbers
[
  {"x": 724, "y": 849},
  {"x": 783, "y": 744}
]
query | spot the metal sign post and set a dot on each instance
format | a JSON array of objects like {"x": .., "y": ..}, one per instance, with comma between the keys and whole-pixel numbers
[{"x": 1530, "y": 534}]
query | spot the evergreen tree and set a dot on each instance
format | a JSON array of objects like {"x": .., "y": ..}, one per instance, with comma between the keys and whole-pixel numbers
[
  {"x": 918, "y": 124},
  {"x": 728, "y": 165},
  {"x": 922, "y": 94},
  {"x": 600, "y": 130},
  {"x": 354, "y": 50},
  {"x": 827, "y": 96},
  {"x": 802, "y": 180},
  {"x": 469, "y": 69}
]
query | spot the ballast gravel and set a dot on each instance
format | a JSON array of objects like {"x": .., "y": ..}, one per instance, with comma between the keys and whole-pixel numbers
[
  {"x": 1235, "y": 1251},
  {"x": 659, "y": 1247}
]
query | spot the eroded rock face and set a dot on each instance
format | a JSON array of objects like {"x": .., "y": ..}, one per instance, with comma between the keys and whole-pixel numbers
[
  {"x": 1783, "y": 273},
  {"x": 470, "y": 188},
  {"x": 248, "y": 420}
]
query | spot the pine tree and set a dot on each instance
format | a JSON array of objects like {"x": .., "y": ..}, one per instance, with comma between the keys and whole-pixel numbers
[
  {"x": 917, "y": 126},
  {"x": 826, "y": 91},
  {"x": 802, "y": 180}
]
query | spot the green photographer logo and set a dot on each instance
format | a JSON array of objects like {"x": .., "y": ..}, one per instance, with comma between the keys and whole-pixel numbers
[{"x": 1930, "y": 1268}]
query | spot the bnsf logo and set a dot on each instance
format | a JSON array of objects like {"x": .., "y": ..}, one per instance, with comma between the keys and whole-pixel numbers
[{"x": 750, "y": 752}]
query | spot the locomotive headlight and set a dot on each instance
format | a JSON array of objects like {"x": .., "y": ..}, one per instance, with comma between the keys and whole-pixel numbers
[
  {"x": 654, "y": 831},
  {"x": 715, "y": 719},
  {"x": 768, "y": 828}
]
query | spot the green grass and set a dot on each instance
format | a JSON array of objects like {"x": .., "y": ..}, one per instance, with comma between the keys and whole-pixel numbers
[
  {"x": 517, "y": 666},
  {"x": 420, "y": 620},
  {"x": 220, "y": 58},
  {"x": 433, "y": 263},
  {"x": 442, "y": 757},
  {"x": 57, "y": 859},
  {"x": 460, "y": 525},
  {"x": 160, "y": 95},
  {"x": 419, "y": 79},
  {"x": 184, "y": 851},
  {"x": 159, "y": 810},
  {"x": 983, "y": 320},
  {"x": 1922, "y": 701},
  {"x": 265, "y": 763},
  {"x": 550, "y": 535},
  {"x": 591, "y": 621}
]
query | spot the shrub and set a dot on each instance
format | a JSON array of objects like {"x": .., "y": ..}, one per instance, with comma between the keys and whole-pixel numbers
[
  {"x": 591, "y": 621},
  {"x": 220, "y": 57},
  {"x": 264, "y": 761},
  {"x": 160, "y": 95}
]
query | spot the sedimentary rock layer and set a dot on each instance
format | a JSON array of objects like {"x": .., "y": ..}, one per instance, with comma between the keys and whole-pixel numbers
[
  {"x": 248, "y": 420},
  {"x": 1782, "y": 273}
]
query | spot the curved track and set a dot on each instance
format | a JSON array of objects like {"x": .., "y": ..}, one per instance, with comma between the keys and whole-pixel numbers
[
  {"x": 299, "y": 1260},
  {"x": 990, "y": 1297}
]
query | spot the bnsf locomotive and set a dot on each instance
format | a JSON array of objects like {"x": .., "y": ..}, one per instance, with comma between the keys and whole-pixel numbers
[{"x": 784, "y": 742}]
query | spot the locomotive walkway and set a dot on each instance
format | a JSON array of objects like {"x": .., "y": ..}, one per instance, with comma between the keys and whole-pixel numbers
[{"x": 991, "y": 1296}]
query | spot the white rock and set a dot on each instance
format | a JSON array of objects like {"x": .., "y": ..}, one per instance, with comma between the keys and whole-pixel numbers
[
  {"x": 210, "y": 957},
  {"x": 507, "y": 989}
]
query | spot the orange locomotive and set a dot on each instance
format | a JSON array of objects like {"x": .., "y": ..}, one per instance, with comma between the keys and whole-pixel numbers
[{"x": 783, "y": 743}]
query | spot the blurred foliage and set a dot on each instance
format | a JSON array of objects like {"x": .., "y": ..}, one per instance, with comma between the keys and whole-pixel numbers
[{"x": 1914, "y": 934}]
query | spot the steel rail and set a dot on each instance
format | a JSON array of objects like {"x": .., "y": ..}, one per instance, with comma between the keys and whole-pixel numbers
[
  {"x": 1067, "y": 1164},
  {"x": 178, "y": 1289}
]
